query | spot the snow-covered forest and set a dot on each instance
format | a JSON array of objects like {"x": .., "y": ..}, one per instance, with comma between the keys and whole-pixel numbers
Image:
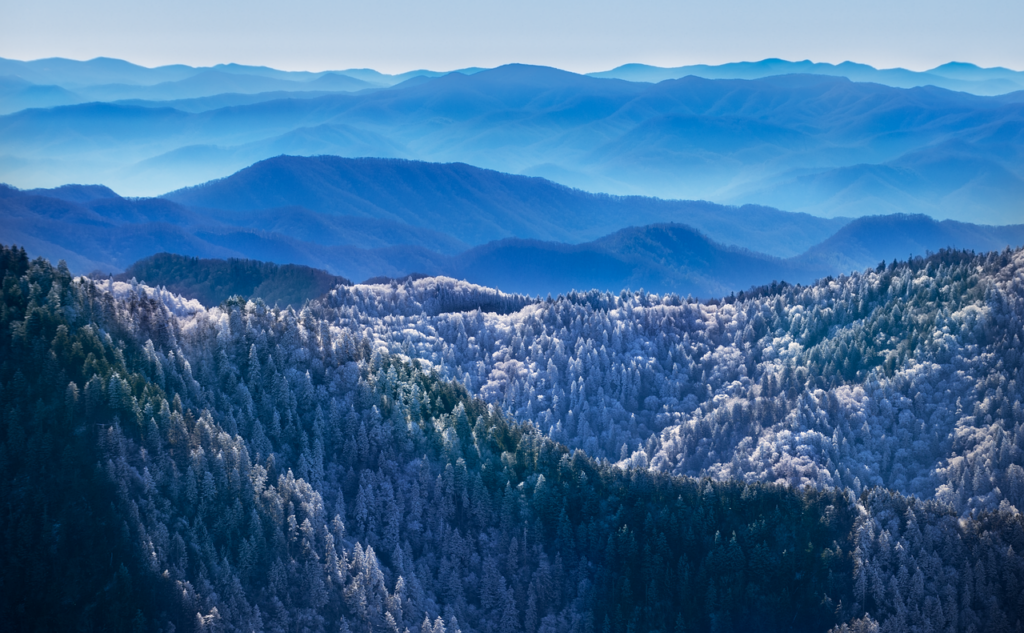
[
  {"x": 437, "y": 457},
  {"x": 905, "y": 376}
]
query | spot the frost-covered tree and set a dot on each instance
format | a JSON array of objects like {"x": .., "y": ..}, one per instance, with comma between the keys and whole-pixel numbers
[{"x": 435, "y": 455}]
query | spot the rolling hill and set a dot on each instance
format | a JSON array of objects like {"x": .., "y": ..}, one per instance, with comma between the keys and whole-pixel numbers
[
  {"x": 18, "y": 94},
  {"x": 212, "y": 281}
]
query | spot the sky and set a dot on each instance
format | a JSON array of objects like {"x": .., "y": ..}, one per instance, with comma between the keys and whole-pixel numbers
[{"x": 398, "y": 35}]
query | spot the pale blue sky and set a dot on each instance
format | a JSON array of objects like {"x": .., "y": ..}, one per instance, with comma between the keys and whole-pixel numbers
[{"x": 398, "y": 35}]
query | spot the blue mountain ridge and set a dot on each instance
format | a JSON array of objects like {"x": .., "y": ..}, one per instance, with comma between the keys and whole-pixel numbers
[
  {"x": 477, "y": 205},
  {"x": 363, "y": 218},
  {"x": 958, "y": 76},
  {"x": 57, "y": 81},
  {"x": 730, "y": 141}
]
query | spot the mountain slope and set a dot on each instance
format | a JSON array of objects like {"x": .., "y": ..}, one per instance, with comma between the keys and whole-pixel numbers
[
  {"x": 886, "y": 238},
  {"x": 17, "y": 94},
  {"x": 252, "y": 468},
  {"x": 477, "y": 206},
  {"x": 94, "y": 229},
  {"x": 658, "y": 258},
  {"x": 661, "y": 258},
  {"x": 76, "y": 193},
  {"x": 951, "y": 179}
]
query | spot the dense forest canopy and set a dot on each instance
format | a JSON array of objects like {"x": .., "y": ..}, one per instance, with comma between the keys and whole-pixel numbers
[
  {"x": 434, "y": 456},
  {"x": 213, "y": 281},
  {"x": 905, "y": 376}
]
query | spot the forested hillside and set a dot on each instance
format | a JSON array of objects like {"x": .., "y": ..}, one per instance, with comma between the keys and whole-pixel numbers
[
  {"x": 906, "y": 375},
  {"x": 212, "y": 281},
  {"x": 172, "y": 468}
]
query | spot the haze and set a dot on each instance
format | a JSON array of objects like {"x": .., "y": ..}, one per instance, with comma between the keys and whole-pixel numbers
[{"x": 399, "y": 35}]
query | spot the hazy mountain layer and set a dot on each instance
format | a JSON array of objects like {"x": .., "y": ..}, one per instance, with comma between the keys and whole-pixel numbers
[
  {"x": 952, "y": 76},
  {"x": 477, "y": 206},
  {"x": 659, "y": 257},
  {"x": 52, "y": 82},
  {"x": 247, "y": 468},
  {"x": 365, "y": 218},
  {"x": 109, "y": 234},
  {"x": 803, "y": 142},
  {"x": 45, "y": 83},
  {"x": 106, "y": 71}
]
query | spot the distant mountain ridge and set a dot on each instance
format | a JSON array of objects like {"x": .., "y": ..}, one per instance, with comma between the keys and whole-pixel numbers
[
  {"x": 679, "y": 258},
  {"x": 108, "y": 71},
  {"x": 478, "y": 205},
  {"x": 58, "y": 81},
  {"x": 877, "y": 238},
  {"x": 813, "y": 143},
  {"x": 656, "y": 257},
  {"x": 952, "y": 76},
  {"x": 74, "y": 74},
  {"x": 365, "y": 218}
]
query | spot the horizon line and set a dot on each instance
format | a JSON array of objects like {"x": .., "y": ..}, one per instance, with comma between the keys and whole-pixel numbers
[{"x": 510, "y": 63}]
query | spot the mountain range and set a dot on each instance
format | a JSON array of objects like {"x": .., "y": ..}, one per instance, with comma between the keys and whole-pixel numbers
[
  {"x": 363, "y": 218},
  {"x": 543, "y": 409},
  {"x": 479, "y": 205},
  {"x": 952, "y": 76},
  {"x": 58, "y": 81},
  {"x": 814, "y": 143}
]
